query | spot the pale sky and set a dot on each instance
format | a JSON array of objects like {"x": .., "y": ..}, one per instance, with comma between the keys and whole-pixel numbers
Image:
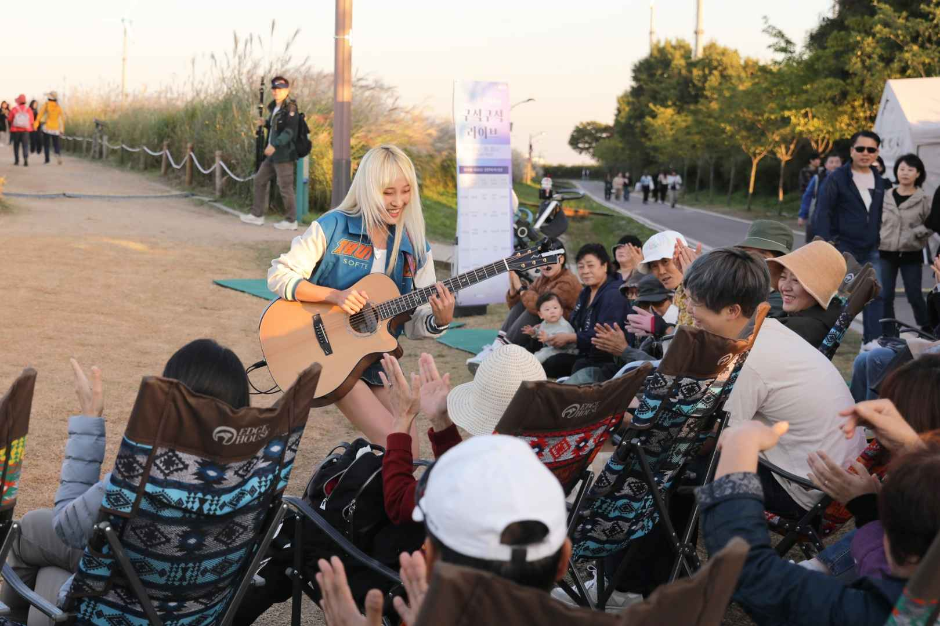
[{"x": 574, "y": 58}]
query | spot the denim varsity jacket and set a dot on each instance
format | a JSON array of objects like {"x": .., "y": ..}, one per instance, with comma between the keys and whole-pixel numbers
[
  {"x": 773, "y": 590},
  {"x": 336, "y": 252}
]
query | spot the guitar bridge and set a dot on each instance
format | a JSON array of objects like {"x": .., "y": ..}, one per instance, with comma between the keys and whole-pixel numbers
[{"x": 320, "y": 332}]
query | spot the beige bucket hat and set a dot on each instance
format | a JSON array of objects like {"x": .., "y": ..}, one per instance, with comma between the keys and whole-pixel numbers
[
  {"x": 478, "y": 406},
  {"x": 818, "y": 266}
]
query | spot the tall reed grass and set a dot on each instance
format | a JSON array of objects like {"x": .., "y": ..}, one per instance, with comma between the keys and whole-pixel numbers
[{"x": 217, "y": 109}]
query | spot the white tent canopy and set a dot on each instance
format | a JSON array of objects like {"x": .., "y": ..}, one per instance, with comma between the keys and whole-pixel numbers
[{"x": 909, "y": 121}]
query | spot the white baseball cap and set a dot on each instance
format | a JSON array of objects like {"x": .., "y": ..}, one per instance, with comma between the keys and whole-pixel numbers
[
  {"x": 659, "y": 246},
  {"x": 480, "y": 487}
]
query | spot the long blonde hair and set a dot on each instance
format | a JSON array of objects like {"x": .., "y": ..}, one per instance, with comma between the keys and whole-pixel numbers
[{"x": 377, "y": 170}]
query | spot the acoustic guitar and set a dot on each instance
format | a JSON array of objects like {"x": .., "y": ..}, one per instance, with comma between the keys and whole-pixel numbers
[{"x": 295, "y": 335}]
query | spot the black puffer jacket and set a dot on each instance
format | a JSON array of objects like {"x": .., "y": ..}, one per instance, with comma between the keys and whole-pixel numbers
[{"x": 285, "y": 131}]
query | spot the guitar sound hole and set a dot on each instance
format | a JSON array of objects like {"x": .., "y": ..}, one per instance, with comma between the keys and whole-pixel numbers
[{"x": 366, "y": 321}]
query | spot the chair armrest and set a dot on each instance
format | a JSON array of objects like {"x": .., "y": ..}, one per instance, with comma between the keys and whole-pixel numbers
[
  {"x": 421, "y": 463},
  {"x": 339, "y": 539},
  {"x": 802, "y": 482},
  {"x": 44, "y": 606}
]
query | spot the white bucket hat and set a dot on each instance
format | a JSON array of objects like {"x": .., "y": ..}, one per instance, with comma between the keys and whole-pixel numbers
[
  {"x": 478, "y": 406},
  {"x": 659, "y": 246},
  {"x": 480, "y": 487}
]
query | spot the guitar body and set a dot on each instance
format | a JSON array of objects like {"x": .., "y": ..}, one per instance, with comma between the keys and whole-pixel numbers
[{"x": 296, "y": 334}]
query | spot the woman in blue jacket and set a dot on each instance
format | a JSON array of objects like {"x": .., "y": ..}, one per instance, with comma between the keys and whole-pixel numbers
[
  {"x": 378, "y": 228},
  {"x": 600, "y": 302}
]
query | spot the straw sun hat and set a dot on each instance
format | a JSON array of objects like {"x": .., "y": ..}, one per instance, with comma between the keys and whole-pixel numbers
[
  {"x": 818, "y": 266},
  {"x": 478, "y": 406}
]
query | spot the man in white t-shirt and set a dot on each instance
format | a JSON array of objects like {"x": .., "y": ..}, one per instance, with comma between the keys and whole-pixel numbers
[{"x": 783, "y": 379}]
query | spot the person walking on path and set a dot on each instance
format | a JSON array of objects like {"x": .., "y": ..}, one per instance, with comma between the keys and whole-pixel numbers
[
  {"x": 618, "y": 187},
  {"x": 608, "y": 187},
  {"x": 807, "y": 173},
  {"x": 808, "y": 202},
  {"x": 627, "y": 181},
  {"x": 52, "y": 118},
  {"x": 21, "y": 124},
  {"x": 35, "y": 135},
  {"x": 4, "y": 123},
  {"x": 848, "y": 214},
  {"x": 662, "y": 184},
  {"x": 674, "y": 184},
  {"x": 646, "y": 183},
  {"x": 280, "y": 157},
  {"x": 903, "y": 237}
]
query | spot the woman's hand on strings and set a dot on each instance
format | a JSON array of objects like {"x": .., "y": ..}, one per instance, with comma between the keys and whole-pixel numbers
[
  {"x": 442, "y": 305},
  {"x": 350, "y": 300}
]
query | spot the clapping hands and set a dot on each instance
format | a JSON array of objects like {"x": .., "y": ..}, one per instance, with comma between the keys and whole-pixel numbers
[
  {"x": 684, "y": 256},
  {"x": 90, "y": 394}
]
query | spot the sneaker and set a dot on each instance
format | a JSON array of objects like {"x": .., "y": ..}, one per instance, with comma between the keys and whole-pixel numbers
[
  {"x": 473, "y": 363},
  {"x": 869, "y": 346},
  {"x": 285, "y": 225},
  {"x": 248, "y": 218},
  {"x": 618, "y": 600}
]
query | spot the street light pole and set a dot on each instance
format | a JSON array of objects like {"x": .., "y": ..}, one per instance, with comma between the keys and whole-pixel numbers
[
  {"x": 514, "y": 106},
  {"x": 342, "y": 101},
  {"x": 699, "y": 30},
  {"x": 528, "y": 166},
  {"x": 124, "y": 23},
  {"x": 652, "y": 32}
]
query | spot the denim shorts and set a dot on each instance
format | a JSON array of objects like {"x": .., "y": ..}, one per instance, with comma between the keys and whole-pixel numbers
[
  {"x": 371, "y": 375},
  {"x": 838, "y": 558}
]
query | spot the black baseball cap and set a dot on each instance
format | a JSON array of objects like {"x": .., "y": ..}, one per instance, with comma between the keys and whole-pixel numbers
[
  {"x": 651, "y": 290},
  {"x": 279, "y": 82}
]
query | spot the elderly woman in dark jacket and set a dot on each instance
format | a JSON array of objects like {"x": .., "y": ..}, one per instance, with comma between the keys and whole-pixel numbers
[
  {"x": 808, "y": 280},
  {"x": 600, "y": 302}
]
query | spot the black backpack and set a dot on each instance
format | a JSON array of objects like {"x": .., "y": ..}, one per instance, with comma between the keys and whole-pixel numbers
[
  {"x": 347, "y": 491},
  {"x": 302, "y": 144}
]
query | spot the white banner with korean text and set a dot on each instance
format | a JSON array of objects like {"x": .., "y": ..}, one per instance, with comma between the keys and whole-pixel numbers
[{"x": 484, "y": 185}]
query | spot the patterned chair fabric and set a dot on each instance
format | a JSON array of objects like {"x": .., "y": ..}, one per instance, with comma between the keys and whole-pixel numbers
[
  {"x": 859, "y": 287},
  {"x": 919, "y": 605},
  {"x": 567, "y": 425},
  {"x": 680, "y": 402},
  {"x": 192, "y": 488},
  {"x": 15, "y": 408}
]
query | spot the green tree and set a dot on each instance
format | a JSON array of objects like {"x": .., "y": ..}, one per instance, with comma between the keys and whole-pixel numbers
[{"x": 585, "y": 136}]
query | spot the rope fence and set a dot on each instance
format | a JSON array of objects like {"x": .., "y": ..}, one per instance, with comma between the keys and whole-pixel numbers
[{"x": 100, "y": 145}]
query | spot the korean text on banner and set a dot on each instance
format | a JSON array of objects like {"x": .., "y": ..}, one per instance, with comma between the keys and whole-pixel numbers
[{"x": 484, "y": 184}]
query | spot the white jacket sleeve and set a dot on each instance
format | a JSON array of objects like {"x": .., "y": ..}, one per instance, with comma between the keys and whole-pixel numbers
[
  {"x": 298, "y": 263},
  {"x": 421, "y": 325}
]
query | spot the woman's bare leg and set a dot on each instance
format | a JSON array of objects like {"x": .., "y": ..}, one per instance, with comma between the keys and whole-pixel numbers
[{"x": 367, "y": 408}]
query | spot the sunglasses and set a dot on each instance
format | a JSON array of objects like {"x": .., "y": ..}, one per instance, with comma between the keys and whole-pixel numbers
[{"x": 868, "y": 149}]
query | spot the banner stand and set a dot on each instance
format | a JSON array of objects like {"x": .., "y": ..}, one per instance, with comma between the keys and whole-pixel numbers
[{"x": 464, "y": 310}]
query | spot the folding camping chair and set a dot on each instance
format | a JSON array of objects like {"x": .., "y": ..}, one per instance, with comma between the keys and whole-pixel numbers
[
  {"x": 919, "y": 605},
  {"x": 15, "y": 408},
  {"x": 459, "y": 595},
  {"x": 859, "y": 287},
  {"x": 567, "y": 425},
  {"x": 190, "y": 508},
  {"x": 681, "y": 406}
]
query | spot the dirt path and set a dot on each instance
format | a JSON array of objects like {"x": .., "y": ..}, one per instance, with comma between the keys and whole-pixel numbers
[{"x": 123, "y": 284}]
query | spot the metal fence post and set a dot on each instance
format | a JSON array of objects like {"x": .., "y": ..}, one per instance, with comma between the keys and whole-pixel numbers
[
  {"x": 189, "y": 165},
  {"x": 164, "y": 163},
  {"x": 104, "y": 148},
  {"x": 218, "y": 174}
]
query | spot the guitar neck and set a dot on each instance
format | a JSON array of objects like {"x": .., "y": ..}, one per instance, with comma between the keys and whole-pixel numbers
[{"x": 414, "y": 299}]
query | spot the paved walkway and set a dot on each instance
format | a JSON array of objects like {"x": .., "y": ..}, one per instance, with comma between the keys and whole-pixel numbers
[{"x": 712, "y": 230}]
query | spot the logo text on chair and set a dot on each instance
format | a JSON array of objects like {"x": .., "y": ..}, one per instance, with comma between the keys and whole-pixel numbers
[
  {"x": 580, "y": 410},
  {"x": 249, "y": 434}
]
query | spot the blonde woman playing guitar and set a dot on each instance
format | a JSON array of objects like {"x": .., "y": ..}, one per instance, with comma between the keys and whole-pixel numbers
[{"x": 378, "y": 228}]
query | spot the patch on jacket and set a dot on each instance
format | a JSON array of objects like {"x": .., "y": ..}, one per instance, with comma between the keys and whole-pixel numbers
[
  {"x": 355, "y": 249},
  {"x": 410, "y": 266}
]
